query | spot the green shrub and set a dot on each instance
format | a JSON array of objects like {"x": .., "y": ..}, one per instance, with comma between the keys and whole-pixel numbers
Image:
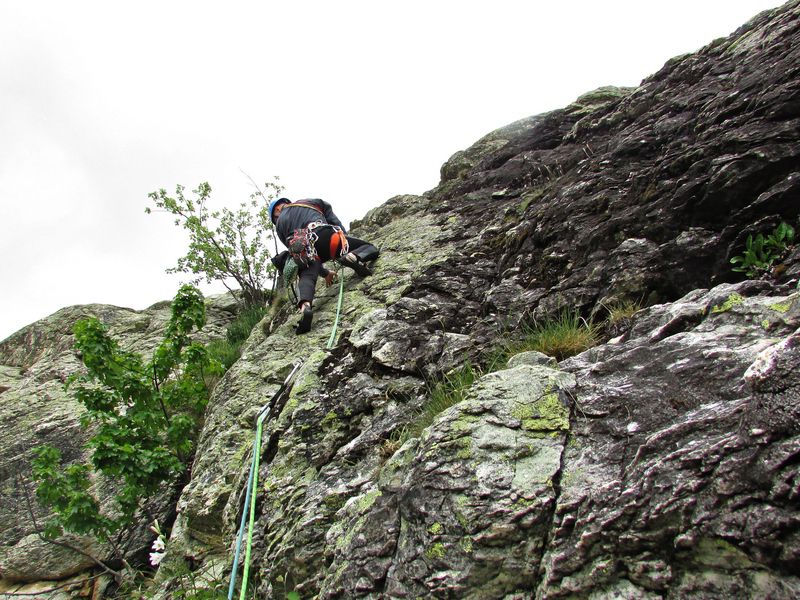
[
  {"x": 761, "y": 252},
  {"x": 143, "y": 415},
  {"x": 224, "y": 244}
]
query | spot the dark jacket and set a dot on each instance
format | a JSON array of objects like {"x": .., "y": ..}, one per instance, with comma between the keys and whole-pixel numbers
[{"x": 297, "y": 217}]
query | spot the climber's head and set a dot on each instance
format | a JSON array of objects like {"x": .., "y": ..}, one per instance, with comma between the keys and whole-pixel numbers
[{"x": 275, "y": 208}]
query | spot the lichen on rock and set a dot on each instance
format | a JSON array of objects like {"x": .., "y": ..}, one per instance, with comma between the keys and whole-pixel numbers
[{"x": 658, "y": 464}]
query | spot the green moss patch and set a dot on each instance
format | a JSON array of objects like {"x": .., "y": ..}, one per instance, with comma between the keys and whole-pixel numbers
[
  {"x": 435, "y": 551},
  {"x": 782, "y": 307},
  {"x": 546, "y": 414},
  {"x": 733, "y": 300}
]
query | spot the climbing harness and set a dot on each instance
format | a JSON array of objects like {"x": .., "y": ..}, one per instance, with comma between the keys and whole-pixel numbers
[{"x": 248, "y": 516}]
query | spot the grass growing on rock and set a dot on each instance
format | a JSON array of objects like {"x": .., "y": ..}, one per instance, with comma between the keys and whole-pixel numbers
[
  {"x": 559, "y": 337},
  {"x": 443, "y": 394},
  {"x": 621, "y": 311},
  {"x": 229, "y": 350},
  {"x": 563, "y": 336}
]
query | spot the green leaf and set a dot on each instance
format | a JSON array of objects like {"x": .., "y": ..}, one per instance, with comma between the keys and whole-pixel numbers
[{"x": 145, "y": 418}]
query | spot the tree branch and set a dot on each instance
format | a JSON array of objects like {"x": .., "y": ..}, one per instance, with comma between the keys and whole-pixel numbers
[
  {"x": 53, "y": 589},
  {"x": 98, "y": 562},
  {"x": 260, "y": 193}
]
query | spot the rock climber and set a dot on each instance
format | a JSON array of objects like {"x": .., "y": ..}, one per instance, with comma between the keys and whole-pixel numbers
[{"x": 314, "y": 235}]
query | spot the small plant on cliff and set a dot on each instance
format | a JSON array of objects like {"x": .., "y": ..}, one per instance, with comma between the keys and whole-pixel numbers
[
  {"x": 144, "y": 418},
  {"x": 227, "y": 351},
  {"x": 621, "y": 311},
  {"x": 442, "y": 395},
  {"x": 761, "y": 252},
  {"x": 560, "y": 337},
  {"x": 224, "y": 245}
]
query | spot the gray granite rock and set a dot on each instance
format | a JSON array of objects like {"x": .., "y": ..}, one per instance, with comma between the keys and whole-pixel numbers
[{"x": 36, "y": 409}]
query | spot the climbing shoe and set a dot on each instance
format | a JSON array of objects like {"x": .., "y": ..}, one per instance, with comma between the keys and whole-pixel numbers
[
  {"x": 352, "y": 261},
  {"x": 304, "y": 324}
]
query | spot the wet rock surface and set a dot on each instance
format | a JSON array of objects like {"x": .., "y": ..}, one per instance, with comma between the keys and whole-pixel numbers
[
  {"x": 662, "y": 465},
  {"x": 675, "y": 478}
]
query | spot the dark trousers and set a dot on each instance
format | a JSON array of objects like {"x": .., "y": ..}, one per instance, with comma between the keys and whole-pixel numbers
[{"x": 307, "y": 277}]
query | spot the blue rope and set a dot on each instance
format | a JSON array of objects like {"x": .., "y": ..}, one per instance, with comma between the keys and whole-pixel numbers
[
  {"x": 241, "y": 527},
  {"x": 262, "y": 415}
]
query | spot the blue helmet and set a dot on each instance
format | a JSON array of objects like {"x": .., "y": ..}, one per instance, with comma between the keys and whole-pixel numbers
[{"x": 275, "y": 203}]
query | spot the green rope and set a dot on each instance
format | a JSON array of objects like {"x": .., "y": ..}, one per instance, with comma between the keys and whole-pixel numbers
[
  {"x": 245, "y": 512},
  {"x": 257, "y": 454},
  {"x": 338, "y": 310},
  {"x": 254, "y": 492},
  {"x": 252, "y": 487}
]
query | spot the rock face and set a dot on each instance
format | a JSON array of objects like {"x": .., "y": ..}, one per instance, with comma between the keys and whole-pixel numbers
[
  {"x": 545, "y": 481},
  {"x": 659, "y": 464},
  {"x": 35, "y": 409}
]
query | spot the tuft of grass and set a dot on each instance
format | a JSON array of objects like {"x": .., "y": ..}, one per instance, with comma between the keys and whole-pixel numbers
[
  {"x": 228, "y": 350},
  {"x": 240, "y": 329},
  {"x": 394, "y": 443},
  {"x": 560, "y": 337},
  {"x": 441, "y": 395},
  {"x": 619, "y": 312},
  {"x": 225, "y": 352}
]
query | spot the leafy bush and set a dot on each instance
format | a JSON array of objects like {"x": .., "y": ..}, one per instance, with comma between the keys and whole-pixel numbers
[
  {"x": 144, "y": 417},
  {"x": 761, "y": 252}
]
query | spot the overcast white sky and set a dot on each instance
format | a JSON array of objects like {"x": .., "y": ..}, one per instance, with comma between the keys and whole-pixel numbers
[{"x": 355, "y": 102}]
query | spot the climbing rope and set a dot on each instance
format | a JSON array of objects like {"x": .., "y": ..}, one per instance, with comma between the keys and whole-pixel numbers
[
  {"x": 338, "y": 310},
  {"x": 248, "y": 512},
  {"x": 241, "y": 526},
  {"x": 254, "y": 492},
  {"x": 248, "y": 516}
]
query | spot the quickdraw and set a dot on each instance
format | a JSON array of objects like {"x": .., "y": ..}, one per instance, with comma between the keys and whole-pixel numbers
[
  {"x": 302, "y": 243},
  {"x": 248, "y": 513}
]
